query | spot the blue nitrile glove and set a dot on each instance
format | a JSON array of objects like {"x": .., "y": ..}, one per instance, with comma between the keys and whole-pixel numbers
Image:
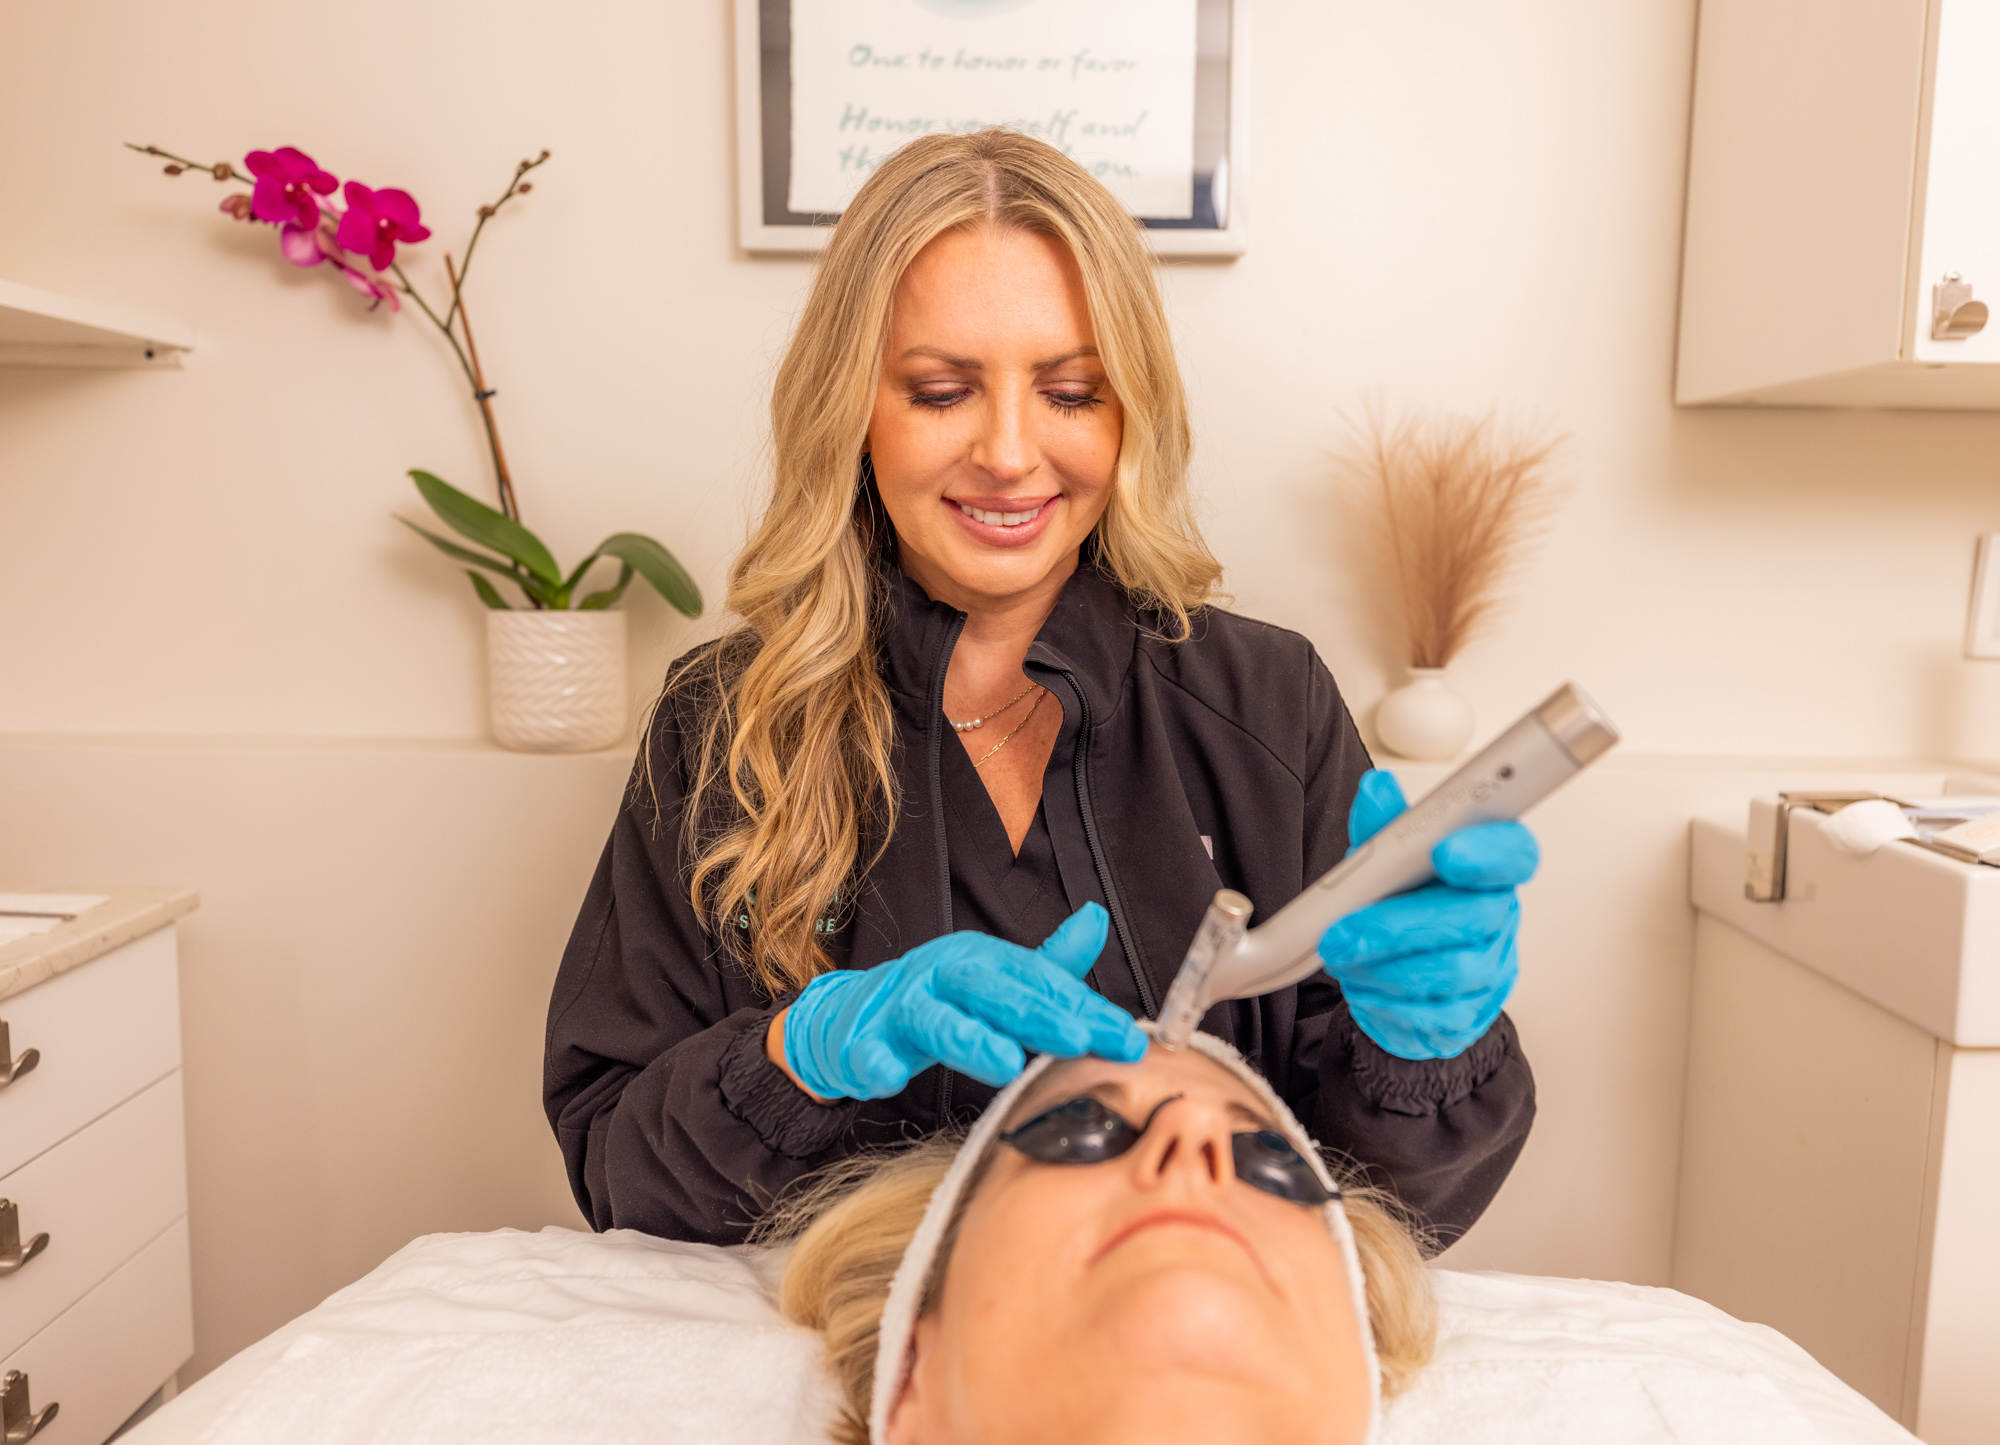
[
  {"x": 1426, "y": 972},
  {"x": 968, "y": 1001}
]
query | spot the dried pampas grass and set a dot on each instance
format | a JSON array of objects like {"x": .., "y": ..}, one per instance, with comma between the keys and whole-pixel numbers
[{"x": 1458, "y": 499}]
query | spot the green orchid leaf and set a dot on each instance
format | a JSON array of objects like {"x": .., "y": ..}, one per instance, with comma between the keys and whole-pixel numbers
[
  {"x": 657, "y": 565},
  {"x": 477, "y": 522},
  {"x": 488, "y": 593},
  {"x": 581, "y": 568},
  {"x": 598, "y": 601},
  {"x": 462, "y": 554}
]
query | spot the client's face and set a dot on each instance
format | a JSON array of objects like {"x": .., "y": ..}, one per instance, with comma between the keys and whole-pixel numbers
[{"x": 1150, "y": 1297}]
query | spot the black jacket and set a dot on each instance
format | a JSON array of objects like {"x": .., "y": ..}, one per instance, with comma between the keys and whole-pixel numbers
[{"x": 672, "y": 1120}]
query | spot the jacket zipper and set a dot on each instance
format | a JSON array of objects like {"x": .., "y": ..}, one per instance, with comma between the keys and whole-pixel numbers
[
  {"x": 939, "y": 844},
  {"x": 1081, "y": 770}
]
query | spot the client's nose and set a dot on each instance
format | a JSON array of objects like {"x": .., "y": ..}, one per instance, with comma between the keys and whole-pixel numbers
[{"x": 1187, "y": 1143}]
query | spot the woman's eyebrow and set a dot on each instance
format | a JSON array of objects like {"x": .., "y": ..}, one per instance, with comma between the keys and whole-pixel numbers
[
  {"x": 1066, "y": 356},
  {"x": 963, "y": 363},
  {"x": 1252, "y": 1116}
]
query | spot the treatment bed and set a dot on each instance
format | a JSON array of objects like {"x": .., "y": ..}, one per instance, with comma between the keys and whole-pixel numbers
[{"x": 563, "y": 1337}]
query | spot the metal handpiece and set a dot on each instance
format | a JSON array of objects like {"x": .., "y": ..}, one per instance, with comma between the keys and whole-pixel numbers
[{"x": 1526, "y": 763}]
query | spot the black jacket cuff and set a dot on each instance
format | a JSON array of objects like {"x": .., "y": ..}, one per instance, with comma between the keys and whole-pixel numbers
[
  {"x": 1421, "y": 1087},
  {"x": 763, "y": 1096}
]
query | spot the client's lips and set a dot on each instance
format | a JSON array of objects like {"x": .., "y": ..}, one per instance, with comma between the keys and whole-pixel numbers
[{"x": 1189, "y": 1218}]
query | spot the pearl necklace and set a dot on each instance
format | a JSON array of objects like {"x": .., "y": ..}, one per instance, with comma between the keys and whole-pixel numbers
[
  {"x": 1035, "y": 708},
  {"x": 980, "y": 722}
]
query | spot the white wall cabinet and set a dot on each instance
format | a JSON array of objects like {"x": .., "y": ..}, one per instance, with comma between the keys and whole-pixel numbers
[
  {"x": 1844, "y": 168},
  {"x": 96, "y": 1316}
]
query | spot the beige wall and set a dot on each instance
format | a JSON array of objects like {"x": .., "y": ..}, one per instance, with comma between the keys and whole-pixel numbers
[
  {"x": 1452, "y": 203},
  {"x": 362, "y": 989}
]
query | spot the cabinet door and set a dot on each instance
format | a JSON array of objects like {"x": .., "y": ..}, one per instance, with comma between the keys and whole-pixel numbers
[{"x": 1961, "y": 202}]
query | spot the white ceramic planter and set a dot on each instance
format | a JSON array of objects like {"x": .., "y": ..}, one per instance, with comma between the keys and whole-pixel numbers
[
  {"x": 1424, "y": 718},
  {"x": 556, "y": 680}
]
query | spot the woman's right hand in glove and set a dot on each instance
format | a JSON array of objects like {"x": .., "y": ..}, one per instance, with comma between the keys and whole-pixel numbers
[{"x": 968, "y": 1001}]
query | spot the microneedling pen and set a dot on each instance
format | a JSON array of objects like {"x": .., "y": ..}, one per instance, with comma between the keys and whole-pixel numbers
[{"x": 1526, "y": 763}]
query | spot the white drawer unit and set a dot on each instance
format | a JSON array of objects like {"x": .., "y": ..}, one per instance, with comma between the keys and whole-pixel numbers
[
  {"x": 96, "y": 1314},
  {"x": 1840, "y": 1148}
]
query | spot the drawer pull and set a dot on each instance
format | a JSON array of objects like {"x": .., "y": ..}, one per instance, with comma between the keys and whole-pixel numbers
[
  {"x": 12, "y": 1068},
  {"x": 12, "y": 1254},
  {"x": 22, "y": 1421}
]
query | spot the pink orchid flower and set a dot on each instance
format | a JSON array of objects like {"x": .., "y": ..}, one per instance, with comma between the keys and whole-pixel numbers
[
  {"x": 376, "y": 221},
  {"x": 376, "y": 291},
  {"x": 310, "y": 248},
  {"x": 287, "y": 180},
  {"x": 303, "y": 247}
]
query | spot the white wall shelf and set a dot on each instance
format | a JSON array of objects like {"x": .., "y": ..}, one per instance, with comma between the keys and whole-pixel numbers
[{"x": 40, "y": 328}]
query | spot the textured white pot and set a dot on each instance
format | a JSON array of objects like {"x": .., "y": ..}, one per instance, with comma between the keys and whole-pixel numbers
[
  {"x": 556, "y": 680},
  {"x": 1424, "y": 718}
]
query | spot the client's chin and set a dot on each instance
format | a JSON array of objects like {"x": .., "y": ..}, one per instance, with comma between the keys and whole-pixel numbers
[{"x": 1191, "y": 1309}]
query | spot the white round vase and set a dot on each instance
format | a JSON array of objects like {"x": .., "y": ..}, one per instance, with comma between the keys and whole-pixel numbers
[
  {"x": 556, "y": 680},
  {"x": 1424, "y": 718}
]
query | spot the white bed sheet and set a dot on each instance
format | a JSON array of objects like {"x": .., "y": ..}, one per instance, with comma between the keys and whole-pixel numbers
[{"x": 564, "y": 1336}]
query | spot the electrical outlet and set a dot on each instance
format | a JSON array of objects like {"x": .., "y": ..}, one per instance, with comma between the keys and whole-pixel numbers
[{"x": 1982, "y": 624}]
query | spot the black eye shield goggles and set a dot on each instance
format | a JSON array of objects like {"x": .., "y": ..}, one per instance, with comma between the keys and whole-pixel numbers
[{"x": 1088, "y": 1131}]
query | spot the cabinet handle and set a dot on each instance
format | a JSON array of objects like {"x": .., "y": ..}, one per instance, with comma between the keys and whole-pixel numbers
[
  {"x": 12, "y": 1254},
  {"x": 1954, "y": 314},
  {"x": 12, "y": 1068},
  {"x": 22, "y": 1421}
]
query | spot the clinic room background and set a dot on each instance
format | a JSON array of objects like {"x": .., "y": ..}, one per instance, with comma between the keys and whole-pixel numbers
[{"x": 224, "y": 665}]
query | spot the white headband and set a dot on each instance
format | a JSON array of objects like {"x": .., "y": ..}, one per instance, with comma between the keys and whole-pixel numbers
[{"x": 906, "y": 1291}]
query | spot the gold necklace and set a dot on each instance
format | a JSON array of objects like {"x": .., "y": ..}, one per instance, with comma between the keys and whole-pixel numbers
[
  {"x": 966, "y": 727},
  {"x": 1010, "y": 736}
]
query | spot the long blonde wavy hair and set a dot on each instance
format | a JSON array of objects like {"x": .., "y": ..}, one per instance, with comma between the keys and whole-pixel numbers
[
  {"x": 854, "y": 1223},
  {"x": 792, "y": 772}
]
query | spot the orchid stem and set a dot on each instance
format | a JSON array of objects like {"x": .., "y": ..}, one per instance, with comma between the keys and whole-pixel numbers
[
  {"x": 503, "y": 483},
  {"x": 487, "y": 213},
  {"x": 481, "y": 394},
  {"x": 188, "y": 166}
]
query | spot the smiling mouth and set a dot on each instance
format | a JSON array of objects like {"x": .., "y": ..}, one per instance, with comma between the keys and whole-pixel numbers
[{"x": 1003, "y": 519}]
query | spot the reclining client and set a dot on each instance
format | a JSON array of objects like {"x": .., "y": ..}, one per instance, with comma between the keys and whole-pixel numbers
[
  {"x": 959, "y": 784},
  {"x": 1150, "y": 1253}
]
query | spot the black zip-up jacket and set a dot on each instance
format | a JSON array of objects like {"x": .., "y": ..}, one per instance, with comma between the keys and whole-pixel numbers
[{"x": 672, "y": 1120}]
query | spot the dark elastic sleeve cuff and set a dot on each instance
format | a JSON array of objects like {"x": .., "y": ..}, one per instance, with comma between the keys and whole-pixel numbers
[
  {"x": 1420, "y": 1087},
  {"x": 785, "y": 1117}
]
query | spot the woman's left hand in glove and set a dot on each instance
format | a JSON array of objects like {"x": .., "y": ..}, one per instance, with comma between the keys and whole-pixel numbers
[{"x": 1426, "y": 972}]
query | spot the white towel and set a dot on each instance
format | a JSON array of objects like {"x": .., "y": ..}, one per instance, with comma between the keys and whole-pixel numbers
[
  {"x": 566, "y": 1337},
  {"x": 603, "y": 1384},
  {"x": 1593, "y": 1402}
]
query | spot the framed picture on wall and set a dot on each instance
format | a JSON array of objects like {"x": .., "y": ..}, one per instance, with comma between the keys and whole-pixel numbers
[{"x": 1148, "y": 94}]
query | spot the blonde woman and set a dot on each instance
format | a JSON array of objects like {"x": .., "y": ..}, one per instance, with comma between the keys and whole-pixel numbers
[
  {"x": 1117, "y": 1252},
  {"x": 958, "y": 787}
]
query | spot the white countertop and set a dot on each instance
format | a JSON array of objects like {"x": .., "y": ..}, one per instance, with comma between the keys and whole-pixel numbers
[
  {"x": 1904, "y": 927},
  {"x": 125, "y": 914}
]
